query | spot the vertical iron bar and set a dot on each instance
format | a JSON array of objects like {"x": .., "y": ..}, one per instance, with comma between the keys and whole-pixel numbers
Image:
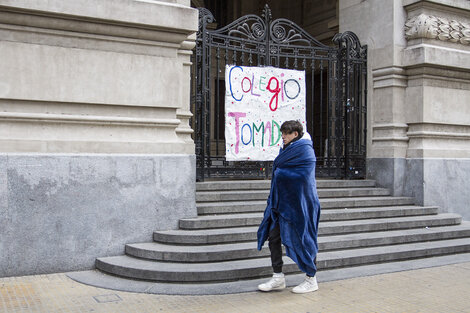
[
  {"x": 321, "y": 108},
  {"x": 357, "y": 109},
  {"x": 332, "y": 161},
  {"x": 364, "y": 69},
  {"x": 346, "y": 113},
  {"x": 203, "y": 100},
  {"x": 208, "y": 110},
  {"x": 312, "y": 65},
  {"x": 338, "y": 112},
  {"x": 331, "y": 103},
  {"x": 242, "y": 56},
  {"x": 217, "y": 104}
]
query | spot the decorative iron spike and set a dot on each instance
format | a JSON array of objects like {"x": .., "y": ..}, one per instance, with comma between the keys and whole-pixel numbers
[
  {"x": 205, "y": 16},
  {"x": 267, "y": 15}
]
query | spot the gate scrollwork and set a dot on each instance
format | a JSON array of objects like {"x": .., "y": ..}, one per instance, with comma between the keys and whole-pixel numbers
[{"x": 336, "y": 82}]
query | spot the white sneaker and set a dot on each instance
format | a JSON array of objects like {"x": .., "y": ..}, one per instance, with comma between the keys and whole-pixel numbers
[
  {"x": 308, "y": 285},
  {"x": 278, "y": 282}
]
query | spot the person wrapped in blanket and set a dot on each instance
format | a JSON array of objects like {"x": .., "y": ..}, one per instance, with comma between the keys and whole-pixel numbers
[{"x": 293, "y": 210}]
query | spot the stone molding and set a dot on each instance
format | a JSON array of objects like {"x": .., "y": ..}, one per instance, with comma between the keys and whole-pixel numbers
[
  {"x": 146, "y": 15},
  {"x": 389, "y": 132},
  {"x": 392, "y": 76},
  {"x": 183, "y": 128},
  {"x": 437, "y": 140},
  {"x": 435, "y": 27},
  {"x": 441, "y": 131},
  {"x": 87, "y": 119}
]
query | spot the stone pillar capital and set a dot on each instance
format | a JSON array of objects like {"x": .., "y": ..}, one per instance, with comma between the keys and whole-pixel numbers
[{"x": 435, "y": 27}]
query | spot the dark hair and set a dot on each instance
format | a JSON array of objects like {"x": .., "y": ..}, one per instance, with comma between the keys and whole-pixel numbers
[{"x": 288, "y": 127}]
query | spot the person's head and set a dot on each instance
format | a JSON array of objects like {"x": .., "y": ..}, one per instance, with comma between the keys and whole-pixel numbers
[{"x": 291, "y": 130}]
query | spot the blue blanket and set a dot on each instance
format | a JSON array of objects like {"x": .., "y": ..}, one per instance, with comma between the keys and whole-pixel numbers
[{"x": 293, "y": 203}]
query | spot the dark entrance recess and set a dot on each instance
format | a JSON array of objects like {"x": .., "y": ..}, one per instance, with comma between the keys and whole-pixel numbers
[{"x": 336, "y": 84}]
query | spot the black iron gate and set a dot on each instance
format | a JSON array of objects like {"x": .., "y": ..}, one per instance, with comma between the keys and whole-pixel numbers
[{"x": 336, "y": 81}]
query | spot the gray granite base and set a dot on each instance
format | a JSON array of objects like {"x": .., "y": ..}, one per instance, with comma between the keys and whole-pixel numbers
[
  {"x": 441, "y": 182},
  {"x": 59, "y": 212},
  {"x": 436, "y": 182},
  {"x": 388, "y": 173}
]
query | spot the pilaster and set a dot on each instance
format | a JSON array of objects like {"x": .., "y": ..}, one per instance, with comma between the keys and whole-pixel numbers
[
  {"x": 379, "y": 24},
  {"x": 419, "y": 117},
  {"x": 437, "y": 63}
]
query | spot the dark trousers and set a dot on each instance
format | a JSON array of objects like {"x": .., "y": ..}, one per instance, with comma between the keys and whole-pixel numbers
[{"x": 275, "y": 246}]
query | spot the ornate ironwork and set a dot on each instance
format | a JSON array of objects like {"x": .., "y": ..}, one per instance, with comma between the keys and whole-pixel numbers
[{"x": 336, "y": 95}]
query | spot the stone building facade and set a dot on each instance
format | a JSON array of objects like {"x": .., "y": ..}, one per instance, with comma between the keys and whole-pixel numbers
[{"x": 95, "y": 144}]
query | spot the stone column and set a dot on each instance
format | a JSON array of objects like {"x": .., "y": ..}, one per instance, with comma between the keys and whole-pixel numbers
[
  {"x": 95, "y": 145},
  {"x": 419, "y": 121},
  {"x": 437, "y": 100},
  {"x": 379, "y": 24}
]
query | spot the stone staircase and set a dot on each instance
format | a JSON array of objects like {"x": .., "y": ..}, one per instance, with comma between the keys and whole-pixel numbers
[{"x": 360, "y": 224}]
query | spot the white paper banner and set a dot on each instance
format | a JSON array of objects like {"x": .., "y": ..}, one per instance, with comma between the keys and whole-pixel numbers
[{"x": 257, "y": 101}]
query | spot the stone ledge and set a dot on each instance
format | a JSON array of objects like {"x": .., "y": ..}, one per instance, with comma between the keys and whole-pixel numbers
[
  {"x": 173, "y": 147},
  {"x": 389, "y": 77},
  {"x": 437, "y": 140},
  {"x": 144, "y": 14},
  {"x": 435, "y": 130},
  {"x": 68, "y": 39},
  {"x": 87, "y": 119},
  {"x": 438, "y": 77},
  {"x": 424, "y": 153},
  {"x": 386, "y": 132},
  {"x": 442, "y": 57},
  {"x": 450, "y": 5}
]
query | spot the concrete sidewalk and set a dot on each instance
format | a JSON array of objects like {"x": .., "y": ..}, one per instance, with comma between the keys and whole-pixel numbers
[{"x": 436, "y": 289}]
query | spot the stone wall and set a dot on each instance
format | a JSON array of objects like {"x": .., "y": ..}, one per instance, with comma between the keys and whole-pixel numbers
[
  {"x": 95, "y": 145},
  {"x": 419, "y": 95},
  {"x": 60, "y": 212}
]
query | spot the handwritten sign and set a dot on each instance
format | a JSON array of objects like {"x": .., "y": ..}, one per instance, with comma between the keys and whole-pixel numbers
[{"x": 257, "y": 101}]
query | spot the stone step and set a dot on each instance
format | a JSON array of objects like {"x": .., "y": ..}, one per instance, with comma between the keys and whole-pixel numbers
[
  {"x": 238, "y": 195},
  {"x": 245, "y": 250},
  {"x": 252, "y": 219},
  {"x": 204, "y": 208},
  {"x": 135, "y": 268},
  {"x": 240, "y": 234},
  {"x": 266, "y": 184},
  {"x": 99, "y": 279}
]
